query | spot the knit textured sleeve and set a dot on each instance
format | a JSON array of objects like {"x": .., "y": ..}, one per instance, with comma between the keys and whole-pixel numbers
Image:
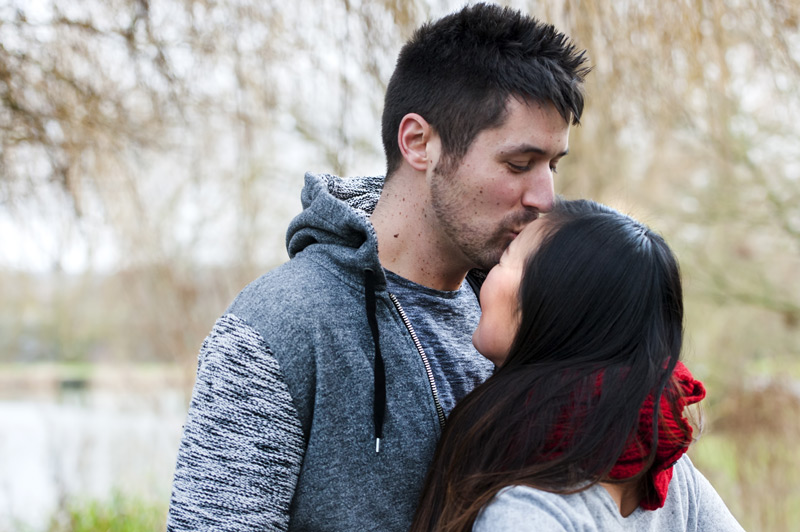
[{"x": 242, "y": 446}]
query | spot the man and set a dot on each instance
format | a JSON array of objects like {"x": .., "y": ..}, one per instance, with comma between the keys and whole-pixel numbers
[{"x": 321, "y": 392}]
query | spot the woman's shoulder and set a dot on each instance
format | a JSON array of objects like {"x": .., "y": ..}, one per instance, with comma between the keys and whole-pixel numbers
[
  {"x": 523, "y": 508},
  {"x": 687, "y": 487},
  {"x": 692, "y": 497},
  {"x": 684, "y": 478}
]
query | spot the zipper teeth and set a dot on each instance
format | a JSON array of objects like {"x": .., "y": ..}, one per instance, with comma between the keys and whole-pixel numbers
[{"x": 425, "y": 361}]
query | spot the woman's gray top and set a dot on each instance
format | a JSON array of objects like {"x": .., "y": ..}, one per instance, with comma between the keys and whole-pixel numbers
[{"x": 692, "y": 504}]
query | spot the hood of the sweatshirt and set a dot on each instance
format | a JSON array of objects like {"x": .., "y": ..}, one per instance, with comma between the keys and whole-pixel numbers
[
  {"x": 336, "y": 215},
  {"x": 335, "y": 221}
]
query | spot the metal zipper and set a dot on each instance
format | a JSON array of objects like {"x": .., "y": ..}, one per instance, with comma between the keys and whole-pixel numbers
[{"x": 425, "y": 362}]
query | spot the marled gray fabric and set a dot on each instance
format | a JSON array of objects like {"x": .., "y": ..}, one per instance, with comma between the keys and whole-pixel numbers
[
  {"x": 444, "y": 322},
  {"x": 692, "y": 505},
  {"x": 310, "y": 321},
  {"x": 240, "y": 403}
]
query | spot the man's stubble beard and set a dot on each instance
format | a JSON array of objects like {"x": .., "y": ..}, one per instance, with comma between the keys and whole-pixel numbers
[{"x": 482, "y": 249}]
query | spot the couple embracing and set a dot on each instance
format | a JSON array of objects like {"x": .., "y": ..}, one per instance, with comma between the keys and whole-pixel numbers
[{"x": 381, "y": 380}]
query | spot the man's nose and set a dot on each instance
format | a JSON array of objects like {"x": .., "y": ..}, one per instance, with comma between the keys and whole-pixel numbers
[{"x": 539, "y": 193}]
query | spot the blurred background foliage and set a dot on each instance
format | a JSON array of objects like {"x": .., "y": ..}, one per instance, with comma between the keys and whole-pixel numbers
[{"x": 151, "y": 156}]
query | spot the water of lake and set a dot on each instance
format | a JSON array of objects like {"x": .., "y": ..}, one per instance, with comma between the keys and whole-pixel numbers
[{"x": 86, "y": 444}]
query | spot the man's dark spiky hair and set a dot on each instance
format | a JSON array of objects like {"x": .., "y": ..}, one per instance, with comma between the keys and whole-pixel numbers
[{"x": 458, "y": 73}]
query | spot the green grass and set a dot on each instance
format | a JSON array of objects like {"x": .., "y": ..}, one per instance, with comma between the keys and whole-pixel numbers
[
  {"x": 755, "y": 474},
  {"x": 120, "y": 513}
]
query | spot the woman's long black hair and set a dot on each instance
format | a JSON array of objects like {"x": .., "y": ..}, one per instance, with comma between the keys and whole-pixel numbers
[{"x": 601, "y": 329}]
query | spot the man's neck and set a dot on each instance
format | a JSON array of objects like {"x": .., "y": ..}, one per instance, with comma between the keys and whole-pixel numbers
[{"x": 408, "y": 241}]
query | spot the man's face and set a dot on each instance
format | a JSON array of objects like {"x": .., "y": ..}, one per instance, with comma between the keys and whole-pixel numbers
[{"x": 501, "y": 184}]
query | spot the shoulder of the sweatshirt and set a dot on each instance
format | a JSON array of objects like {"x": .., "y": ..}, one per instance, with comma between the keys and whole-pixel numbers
[{"x": 298, "y": 285}]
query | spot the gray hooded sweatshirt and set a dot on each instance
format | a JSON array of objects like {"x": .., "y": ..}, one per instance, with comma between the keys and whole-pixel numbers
[{"x": 281, "y": 429}]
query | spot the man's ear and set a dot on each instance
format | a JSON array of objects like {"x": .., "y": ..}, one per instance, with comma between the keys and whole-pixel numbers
[{"x": 413, "y": 136}]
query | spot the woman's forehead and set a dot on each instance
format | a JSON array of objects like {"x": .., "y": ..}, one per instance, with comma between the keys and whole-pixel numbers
[{"x": 529, "y": 239}]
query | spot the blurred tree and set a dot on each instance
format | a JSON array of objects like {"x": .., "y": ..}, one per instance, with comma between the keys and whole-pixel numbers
[
  {"x": 178, "y": 132},
  {"x": 693, "y": 115},
  {"x": 165, "y": 119}
]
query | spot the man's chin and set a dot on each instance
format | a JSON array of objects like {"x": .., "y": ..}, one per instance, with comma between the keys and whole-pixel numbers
[{"x": 488, "y": 262}]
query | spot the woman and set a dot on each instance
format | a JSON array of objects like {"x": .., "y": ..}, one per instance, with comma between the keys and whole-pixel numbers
[{"x": 582, "y": 425}]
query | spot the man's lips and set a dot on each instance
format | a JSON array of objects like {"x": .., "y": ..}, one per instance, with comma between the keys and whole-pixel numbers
[{"x": 517, "y": 230}]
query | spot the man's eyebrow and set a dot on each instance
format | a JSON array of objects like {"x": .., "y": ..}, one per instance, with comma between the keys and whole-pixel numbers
[{"x": 529, "y": 148}]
